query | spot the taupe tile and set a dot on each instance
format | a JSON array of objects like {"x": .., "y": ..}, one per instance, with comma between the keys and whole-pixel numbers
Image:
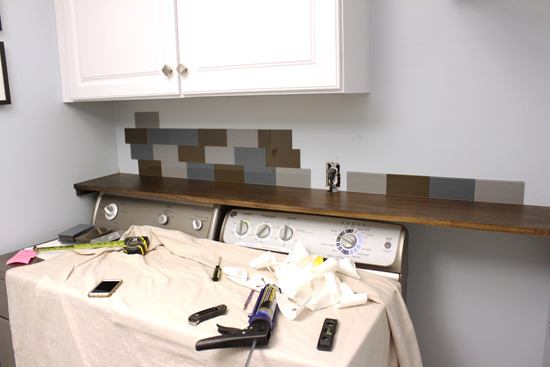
[
  {"x": 242, "y": 138},
  {"x": 167, "y": 153},
  {"x": 147, "y": 119},
  {"x": 293, "y": 177},
  {"x": 174, "y": 169},
  {"x": 370, "y": 183},
  {"x": 506, "y": 192},
  {"x": 219, "y": 155}
]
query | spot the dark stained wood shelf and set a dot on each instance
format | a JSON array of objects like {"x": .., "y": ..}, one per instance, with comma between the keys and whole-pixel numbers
[{"x": 520, "y": 219}]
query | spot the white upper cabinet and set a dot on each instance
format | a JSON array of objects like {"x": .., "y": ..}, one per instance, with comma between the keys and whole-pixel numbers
[{"x": 116, "y": 49}]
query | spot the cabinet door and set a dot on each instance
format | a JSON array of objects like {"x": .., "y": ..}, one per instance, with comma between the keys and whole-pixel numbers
[
  {"x": 117, "y": 48},
  {"x": 255, "y": 47}
]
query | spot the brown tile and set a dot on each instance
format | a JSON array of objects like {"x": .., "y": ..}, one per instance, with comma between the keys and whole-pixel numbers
[
  {"x": 228, "y": 173},
  {"x": 275, "y": 139},
  {"x": 289, "y": 158},
  {"x": 191, "y": 154},
  {"x": 147, "y": 119},
  {"x": 408, "y": 185},
  {"x": 150, "y": 168},
  {"x": 213, "y": 137},
  {"x": 135, "y": 136}
]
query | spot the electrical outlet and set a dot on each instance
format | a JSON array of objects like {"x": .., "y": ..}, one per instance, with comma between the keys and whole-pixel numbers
[{"x": 333, "y": 176}]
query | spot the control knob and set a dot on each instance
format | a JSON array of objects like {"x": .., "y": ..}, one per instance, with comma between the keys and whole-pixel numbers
[
  {"x": 197, "y": 224},
  {"x": 263, "y": 231},
  {"x": 348, "y": 241},
  {"x": 163, "y": 219},
  {"x": 242, "y": 228},
  {"x": 111, "y": 211},
  {"x": 286, "y": 233}
]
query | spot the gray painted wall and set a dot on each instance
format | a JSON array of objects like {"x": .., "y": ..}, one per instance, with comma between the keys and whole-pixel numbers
[{"x": 45, "y": 145}]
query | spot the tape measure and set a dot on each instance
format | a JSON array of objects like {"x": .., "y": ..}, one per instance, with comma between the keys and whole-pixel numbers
[{"x": 131, "y": 245}]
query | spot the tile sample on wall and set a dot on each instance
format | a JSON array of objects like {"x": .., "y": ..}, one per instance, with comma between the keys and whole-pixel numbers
[
  {"x": 508, "y": 192},
  {"x": 261, "y": 156}
]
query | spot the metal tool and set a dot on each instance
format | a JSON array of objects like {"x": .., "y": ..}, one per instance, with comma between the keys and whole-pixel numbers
[{"x": 258, "y": 332}]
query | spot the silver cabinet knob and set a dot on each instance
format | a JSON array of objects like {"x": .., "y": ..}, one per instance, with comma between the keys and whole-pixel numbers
[
  {"x": 167, "y": 70},
  {"x": 182, "y": 69}
]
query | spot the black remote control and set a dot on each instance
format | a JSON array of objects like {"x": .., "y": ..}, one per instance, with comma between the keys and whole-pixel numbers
[{"x": 327, "y": 335}]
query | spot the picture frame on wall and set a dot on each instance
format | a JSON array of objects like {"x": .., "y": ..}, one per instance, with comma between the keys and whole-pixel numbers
[{"x": 4, "y": 85}]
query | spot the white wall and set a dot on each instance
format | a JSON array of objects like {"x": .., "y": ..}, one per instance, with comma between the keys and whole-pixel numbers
[
  {"x": 459, "y": 89},
  {"x": 45, "y": 146}
]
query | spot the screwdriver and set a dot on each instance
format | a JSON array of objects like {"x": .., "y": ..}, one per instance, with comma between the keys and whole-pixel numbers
[{"x": 217, "y": 271}]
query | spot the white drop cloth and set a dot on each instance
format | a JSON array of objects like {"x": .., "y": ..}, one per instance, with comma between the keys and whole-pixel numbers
[{"x": 55, "y": 323}]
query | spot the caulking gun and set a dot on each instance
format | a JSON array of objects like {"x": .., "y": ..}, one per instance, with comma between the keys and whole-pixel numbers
[{"x": 258, "y": 332}]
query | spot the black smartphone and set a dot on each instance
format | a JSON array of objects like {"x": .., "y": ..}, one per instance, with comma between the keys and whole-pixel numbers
[{"x": 106, "y": 288}]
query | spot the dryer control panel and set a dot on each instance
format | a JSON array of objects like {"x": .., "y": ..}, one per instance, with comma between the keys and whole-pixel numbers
[{"x": 374, "y": 244}]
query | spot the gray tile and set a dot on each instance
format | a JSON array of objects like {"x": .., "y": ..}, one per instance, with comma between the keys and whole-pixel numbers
[
  {"x": 147, "y": 119},
  {"x": 185, "y": 137},
  {"x": 242, "y": 138},
  {"x": 250, "y": 156},
  {"x": 452, "y": 188},
  {"x": 174, "y": 169},
  {"x": 219, "y": 155},
  {"x": 293, "y": 177},
  {"x": 260, "y": 175},
  {"x": 141, "y": 151},
  {"x": 165, "y": 153},
  {"x": 159, "y": 136},
  {"x": 370, "y": 183},
  {"x": 506, "y": 192},
  {"x": 200, "y": 171}
]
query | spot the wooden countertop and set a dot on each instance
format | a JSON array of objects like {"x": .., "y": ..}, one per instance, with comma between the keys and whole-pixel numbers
[{"x": 520, "y": 219}]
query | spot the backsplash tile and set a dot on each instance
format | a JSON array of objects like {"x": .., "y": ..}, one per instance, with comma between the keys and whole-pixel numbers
[
  {"x": 289, "y": 158},
  {"x": 242, "y": 138},
  {"x": 250, "y": 156},
  {"x": 452, "y": 188},
  {"x": 165, "y": 153},
  {"x": 219, "y": 155},
  {"x": 135, "y": 136},
  {"x": 408, "y": 185},
  {"x": 147, "y": 119},
  {"x": 373, "y": 183},
  {"x": 200, "y": 171},
  {"x": 213, "y": 137},
  {"x": 509, "y": 192},
  {"x": 293, "y": 177},
  {"x": 174, "y": 169},
  {"x": 260, "y": 175},
  {"x": 257, "y": 156}
]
